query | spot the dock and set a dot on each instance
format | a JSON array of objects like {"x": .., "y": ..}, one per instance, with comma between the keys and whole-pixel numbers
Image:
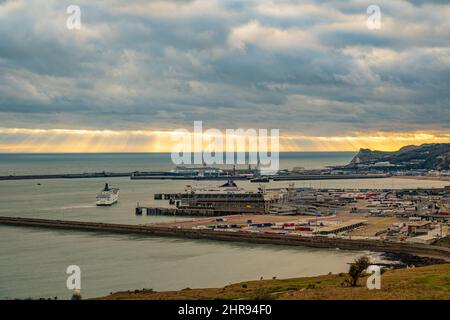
[
  {"x": 67, "y": 176},
  {"x": 188, "y": 177},
  {"x": 262, "y": 238},
  {"x": 327, "y": 177},
  {"x": 273, "y": 177},
  {"x": 166, "y": 175},
  {"x": 159, "y": 211}
]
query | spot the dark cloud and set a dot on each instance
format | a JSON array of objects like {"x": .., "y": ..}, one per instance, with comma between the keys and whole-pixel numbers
[{"x": 298, "y": 65}]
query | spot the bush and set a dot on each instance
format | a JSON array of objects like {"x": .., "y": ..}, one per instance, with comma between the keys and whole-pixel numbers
[{"x": 356, "y": 270}]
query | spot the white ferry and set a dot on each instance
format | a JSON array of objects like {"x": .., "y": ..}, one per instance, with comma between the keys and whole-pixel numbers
[{"x": 108, "y": 196}]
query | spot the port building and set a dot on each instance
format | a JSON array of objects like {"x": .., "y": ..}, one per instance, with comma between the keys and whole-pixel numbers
[{"x": 341, "y": 227}]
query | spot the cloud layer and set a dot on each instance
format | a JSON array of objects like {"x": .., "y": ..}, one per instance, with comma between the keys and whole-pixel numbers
[{"x": 309, "y": 68}]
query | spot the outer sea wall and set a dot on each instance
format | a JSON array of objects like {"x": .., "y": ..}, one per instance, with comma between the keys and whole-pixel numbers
[{"x": 263, "y": 238}]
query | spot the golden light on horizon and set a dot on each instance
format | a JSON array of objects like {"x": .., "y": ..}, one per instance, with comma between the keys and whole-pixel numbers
[{"x": 24, "y": 140}]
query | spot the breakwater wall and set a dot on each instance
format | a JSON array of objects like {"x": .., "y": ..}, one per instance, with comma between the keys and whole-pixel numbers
[
  {"x": 274, "y": 178},
  {"x": 66, "y": 176},
  {"x": 328, "y": 177},
  {"x": 174, "y": 177},
  {"x": 263, "y": 238},
  {"x": 169, "y": 176}
]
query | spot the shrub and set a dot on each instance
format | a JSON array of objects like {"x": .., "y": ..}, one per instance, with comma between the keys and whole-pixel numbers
[{"x": 356, "y": 270}]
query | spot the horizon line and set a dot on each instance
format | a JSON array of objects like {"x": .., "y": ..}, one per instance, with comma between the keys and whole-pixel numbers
[{"x": 168, "y": 152}]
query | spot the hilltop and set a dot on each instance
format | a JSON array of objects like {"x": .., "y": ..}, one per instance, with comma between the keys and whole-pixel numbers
[
  {"x": 430, "y": 282},
  {"x": 434, "y": 156}
]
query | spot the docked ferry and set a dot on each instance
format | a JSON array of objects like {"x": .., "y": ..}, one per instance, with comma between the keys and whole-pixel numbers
[{"x": 108, "y": 196}]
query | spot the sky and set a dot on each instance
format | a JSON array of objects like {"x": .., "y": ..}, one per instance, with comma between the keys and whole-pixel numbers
[{"x": 136, "y": 70}]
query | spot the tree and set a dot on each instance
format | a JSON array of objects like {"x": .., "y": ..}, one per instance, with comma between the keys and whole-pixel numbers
[{"x": 356, "y": 269}]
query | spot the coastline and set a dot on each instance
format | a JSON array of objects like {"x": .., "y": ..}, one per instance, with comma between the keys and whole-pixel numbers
[
  {"x": 429, "y": 282},
  {"x": 430, "y": 178}
]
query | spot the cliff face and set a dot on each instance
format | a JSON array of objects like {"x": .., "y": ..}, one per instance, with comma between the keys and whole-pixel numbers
[{"x": 435, "y": 156}]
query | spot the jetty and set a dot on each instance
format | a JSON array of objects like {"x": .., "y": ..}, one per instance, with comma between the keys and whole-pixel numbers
[
  {"x": 271, "y": 177},
  {"x": 67, "y": 176},
  {"x": 187, "y": 177},
  {"x": 425, "y": 250},
  {"x": 167, "y": 175},
  {"x": 161, "y": 211},
  {"x": 326, "y": 177}
]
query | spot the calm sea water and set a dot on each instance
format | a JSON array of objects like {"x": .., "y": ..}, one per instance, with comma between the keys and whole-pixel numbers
[
  {"x": 33, "y": 261},
  {"x": 19, "y": 164}
]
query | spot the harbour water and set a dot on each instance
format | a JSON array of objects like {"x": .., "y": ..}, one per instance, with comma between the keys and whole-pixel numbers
[
  {"x": 33, "y": 261},
  {"x": 22, "y": 164}
]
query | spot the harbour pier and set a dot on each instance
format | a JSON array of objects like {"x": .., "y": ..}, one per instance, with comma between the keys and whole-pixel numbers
[
  {"x": 161, "y": 175},
  {"x": 425, "y": 250},
  {"x": 67, "y": 176},
  {"x": 159, "y": 211}
]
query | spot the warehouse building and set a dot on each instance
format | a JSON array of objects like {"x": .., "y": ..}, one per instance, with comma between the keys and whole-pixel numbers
[{"x": 342, "y": 227}]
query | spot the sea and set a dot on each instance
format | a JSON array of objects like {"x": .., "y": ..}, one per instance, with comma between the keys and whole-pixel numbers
[{"x": 33, "y": 262}]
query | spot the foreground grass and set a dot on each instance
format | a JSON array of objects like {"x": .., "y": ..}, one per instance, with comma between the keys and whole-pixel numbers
[{"x": 430, "y": 282}]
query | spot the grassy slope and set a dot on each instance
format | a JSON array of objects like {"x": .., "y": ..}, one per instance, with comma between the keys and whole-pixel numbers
[{"x": 431, "y": 282}]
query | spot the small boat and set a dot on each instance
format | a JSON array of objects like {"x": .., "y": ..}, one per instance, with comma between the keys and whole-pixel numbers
[{"x": 108, "y": 196}]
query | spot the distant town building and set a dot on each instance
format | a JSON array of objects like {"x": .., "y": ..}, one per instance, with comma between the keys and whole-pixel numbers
[{"x": 383, "y": 164}]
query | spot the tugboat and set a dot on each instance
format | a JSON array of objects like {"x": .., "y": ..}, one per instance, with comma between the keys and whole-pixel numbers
[{"x": 108, "y": 196}]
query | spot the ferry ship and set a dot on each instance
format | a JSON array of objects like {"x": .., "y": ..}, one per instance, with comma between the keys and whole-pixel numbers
[{"x": 108, "y": 196}]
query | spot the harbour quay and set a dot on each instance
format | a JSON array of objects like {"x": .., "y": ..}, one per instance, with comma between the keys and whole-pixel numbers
[
  {"x": 424, "y": 250},
  {"x": 371, "y": 214}
]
